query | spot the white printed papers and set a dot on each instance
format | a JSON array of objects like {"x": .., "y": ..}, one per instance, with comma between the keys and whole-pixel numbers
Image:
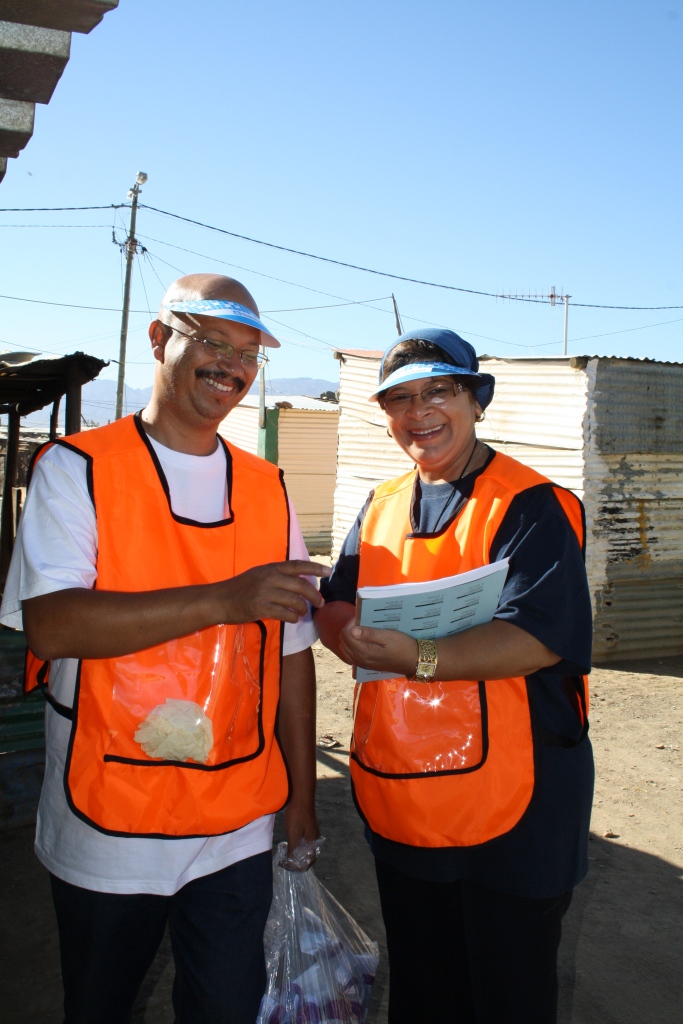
[{"x": 433, "y": 609}]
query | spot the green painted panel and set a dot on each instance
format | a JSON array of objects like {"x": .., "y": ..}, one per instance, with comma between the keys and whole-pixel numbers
[{"x": 267, "y": 438}]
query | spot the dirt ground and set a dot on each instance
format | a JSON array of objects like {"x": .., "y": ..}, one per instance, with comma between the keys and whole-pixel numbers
[{"x": 620, "y": 960}]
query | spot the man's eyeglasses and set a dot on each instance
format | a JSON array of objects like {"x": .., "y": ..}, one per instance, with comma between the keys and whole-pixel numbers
[
  {"x": 437, "y": 394},
  {"x": 249, "y": 357}
]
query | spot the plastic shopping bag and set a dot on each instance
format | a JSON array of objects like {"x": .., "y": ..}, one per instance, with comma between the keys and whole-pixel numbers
[{"x": 320, "y": 964}]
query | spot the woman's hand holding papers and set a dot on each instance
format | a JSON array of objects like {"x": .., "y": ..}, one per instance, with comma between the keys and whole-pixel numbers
[
  {"x": 495, "y": 650},
  {"x": 381, "y": 650}
]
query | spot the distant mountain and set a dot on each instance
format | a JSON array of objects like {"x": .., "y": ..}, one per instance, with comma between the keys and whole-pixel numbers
[
  {"x": 310, "y": 386},
  {"x": 98, "y": 404}
]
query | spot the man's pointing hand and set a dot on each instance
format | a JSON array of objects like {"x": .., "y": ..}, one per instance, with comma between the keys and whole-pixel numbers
[{"x": 276, "y": 591}]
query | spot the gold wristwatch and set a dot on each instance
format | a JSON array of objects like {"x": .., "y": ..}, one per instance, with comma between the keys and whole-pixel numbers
[{"x": 427, "y": 657}]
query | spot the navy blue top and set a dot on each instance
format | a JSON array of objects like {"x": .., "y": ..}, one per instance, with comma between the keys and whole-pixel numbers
[{"x": 546, "y": 594}]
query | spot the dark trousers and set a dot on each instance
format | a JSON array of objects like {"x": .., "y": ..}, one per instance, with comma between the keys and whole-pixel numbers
[
  {"x": 463, "y": 954},
  {"x": 216, "y": 923}
]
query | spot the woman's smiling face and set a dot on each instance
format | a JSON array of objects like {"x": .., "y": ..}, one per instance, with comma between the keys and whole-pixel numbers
[{"x": 439, "y": 438}]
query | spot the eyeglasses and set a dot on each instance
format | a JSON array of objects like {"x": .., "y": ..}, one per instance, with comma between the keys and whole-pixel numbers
[
  {"x": 247, "y": 356},
  {"x": 437, "y": 394}
]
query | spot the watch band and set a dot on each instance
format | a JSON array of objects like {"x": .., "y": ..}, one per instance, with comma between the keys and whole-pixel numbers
[{"x": 427, "y": 658}]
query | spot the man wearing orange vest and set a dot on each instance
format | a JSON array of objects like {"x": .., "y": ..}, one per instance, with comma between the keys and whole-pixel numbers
[{"x": 158, "y": 576}]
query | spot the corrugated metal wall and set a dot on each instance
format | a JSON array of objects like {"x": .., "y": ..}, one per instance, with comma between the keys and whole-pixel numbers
[
  {"x": 544, "y": 403},
  {"x": 365, "y": 455},
  {"x": 609, "y": 429},
  {"x": 307, "y": 453},
  {"x": 537, "y": 416},
  {"x": 241, "y": 428}
]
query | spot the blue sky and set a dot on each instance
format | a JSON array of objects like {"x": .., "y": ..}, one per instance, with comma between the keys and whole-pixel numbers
[{"x": 489, "y": 145}]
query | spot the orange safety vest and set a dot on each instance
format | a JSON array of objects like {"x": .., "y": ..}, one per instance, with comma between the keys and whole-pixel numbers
[
  {"x": 231, "y": 671},
  {"x": 445, "y": 763}
]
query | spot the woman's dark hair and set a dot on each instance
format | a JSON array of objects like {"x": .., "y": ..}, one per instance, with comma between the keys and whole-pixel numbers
[{"x": 417, "y": 351}]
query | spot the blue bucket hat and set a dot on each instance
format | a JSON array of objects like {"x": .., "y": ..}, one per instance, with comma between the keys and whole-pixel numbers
[
  {"x": 450, "y": 343},
  {"x": 223, "y": 309}
]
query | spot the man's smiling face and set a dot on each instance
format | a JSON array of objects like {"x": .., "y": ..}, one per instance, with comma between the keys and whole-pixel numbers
[{"x": 199, "y": 381}]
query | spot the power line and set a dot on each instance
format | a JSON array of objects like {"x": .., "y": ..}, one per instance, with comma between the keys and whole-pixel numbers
[
  {"x": 332, "y": 305},
  {"x": 249, "y": 270},
  {"x": 59, "y": 209},
  {"x": 55, "y": 225},
  {"x": 384, "y": 273},
  {"x": 317, "y": 291},
  {"x": 329, "y": 344},
  {"x": 327, "y": 259},
  {"x": 627, "y": 330},
  {"x": 69, "y": 305}
]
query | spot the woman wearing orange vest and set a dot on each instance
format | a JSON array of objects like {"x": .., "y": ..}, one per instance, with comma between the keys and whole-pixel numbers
[{"x": 471, "y": 768}]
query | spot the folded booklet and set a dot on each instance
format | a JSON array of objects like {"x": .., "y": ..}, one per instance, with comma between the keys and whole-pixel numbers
[{"x": 433, "y": 609}]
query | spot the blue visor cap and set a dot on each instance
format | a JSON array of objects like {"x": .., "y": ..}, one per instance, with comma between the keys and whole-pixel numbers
[
  {"x": 224, "y": 310},
  {"x": 451, "y": 344}
]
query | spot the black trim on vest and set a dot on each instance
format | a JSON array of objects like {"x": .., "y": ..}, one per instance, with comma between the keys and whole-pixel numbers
[
  {"x": 450, "y": 771},
  {"x": 582, "y": 508},
  {"x": 555, "y": 487},
  {"x": 72, "y": 713},
  {"x": 137, "y": 419},
  {"x": 71, "y": 448},
  {"x": 494, "y": 839},
  {"x": 276, "y": 730},
  {"x": 471, "y": 479},
  {"x": 61, "y": 709},
  {"x": 99, "y": 828},
  {"x": 543, "y": 735},
  {"x": 41, "y": 681}
]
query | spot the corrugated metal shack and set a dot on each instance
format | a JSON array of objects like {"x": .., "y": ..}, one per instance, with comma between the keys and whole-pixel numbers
[
  {"x": 610, "y": 429},
  {"x": 300, "y": 437}
]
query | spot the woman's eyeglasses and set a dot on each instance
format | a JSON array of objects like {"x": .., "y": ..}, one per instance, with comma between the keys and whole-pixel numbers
[
  {"x": 437, "y": 394},
  {"x": 247, "y": 356}
]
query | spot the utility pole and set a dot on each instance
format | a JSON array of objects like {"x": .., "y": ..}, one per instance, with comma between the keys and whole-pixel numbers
[
  {"x": 262, "y": 396},
  {"x": 131, "y": 249},
  {"x": 399, "y": 325}
]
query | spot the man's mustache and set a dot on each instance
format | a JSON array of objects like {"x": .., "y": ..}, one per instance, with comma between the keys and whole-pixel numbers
[{"x": 220, "y": 375}]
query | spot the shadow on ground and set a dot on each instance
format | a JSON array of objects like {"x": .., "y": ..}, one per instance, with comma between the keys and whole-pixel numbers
[
  {"x": 672, "y": 667},
  {"x": 618, "y": 965}
]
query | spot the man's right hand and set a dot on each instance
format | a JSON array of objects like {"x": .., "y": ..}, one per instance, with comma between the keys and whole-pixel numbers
[
  {"x": 82, "y": 623},
  {"x": 276, "y": 591}
]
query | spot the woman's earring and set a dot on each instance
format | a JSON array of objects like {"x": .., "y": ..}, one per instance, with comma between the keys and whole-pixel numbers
[{"x": 389, "y": 434}]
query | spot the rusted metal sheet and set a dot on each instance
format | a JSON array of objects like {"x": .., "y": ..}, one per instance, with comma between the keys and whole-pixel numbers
[
  {"x": 609, "y": 429},
  {"x": 636, "y": 405}
]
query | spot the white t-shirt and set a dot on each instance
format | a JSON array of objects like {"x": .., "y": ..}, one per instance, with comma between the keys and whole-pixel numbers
[{"x": 56, "y": 549}]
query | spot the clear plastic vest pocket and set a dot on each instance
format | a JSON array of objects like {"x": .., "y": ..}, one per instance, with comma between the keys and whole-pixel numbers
[
  {"x": 191, "y": 702},
  {"x": 403, "y": 728}
]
